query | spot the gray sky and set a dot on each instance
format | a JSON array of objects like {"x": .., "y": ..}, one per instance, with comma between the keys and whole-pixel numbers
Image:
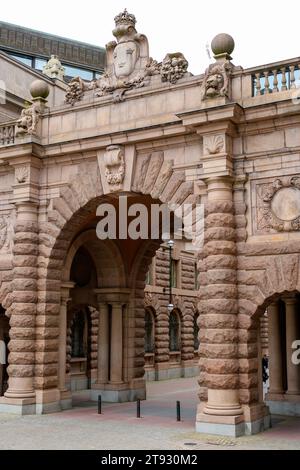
[{"x": 264, "y": 31}]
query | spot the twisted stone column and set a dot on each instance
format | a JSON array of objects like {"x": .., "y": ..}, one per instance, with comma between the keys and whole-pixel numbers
[
  {"x": 21, "y": 347},
  {"x": 219, "y": 334}
]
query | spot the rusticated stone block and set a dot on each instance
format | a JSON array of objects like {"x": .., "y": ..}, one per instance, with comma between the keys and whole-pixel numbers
[
  {"x": 45, "y": 346},
  {"x": 16, "y": 370},
  {"x": 220, "y": 320},
  {"x": 218, "y": 351},
  {"x": 26, "y": 226},
  {"x": 45, "y": 382},
  {"x": 46, "y": 357},
  {"x": 23, "y": 346},
  {"x": 25, "y": 273},
  {"x": 221, "y": 261},
  {"x": 20, "y": 359},
  {"x": 249, "y": 380},
  {"x": 220, "y": 366},
  {"x": 220, "y": 247},
  {"x": 222, "y": 381},
  {"x": 247, "y": 336},
  {"x": 29, "y": 249},
  {"x": 22, "y": 321},
  {"x": 219, "y": 206},
  {"x": 219, "y": 306},
  {"x": 26, "y": 238},
  {"x": 248, "y": 365},
  {"x": 24, "y": 297},
  {"x": 219, "y": 220},
  {"x": 248, "y": 396},
  {"x": 218, "y": 336},
  {"x": 247, "y": 350},
  {"x": 219, "y": 233},
  {"x": 22, "y": 333},
  {"x": 47, "y": 333},
  {"x": 221, "y": 290},
  {"x": 45, "y": 370},
  {"x": 221, "y": 276},
  {"x": 24, "y": 261},
  {"x": 24, "y": 284}
]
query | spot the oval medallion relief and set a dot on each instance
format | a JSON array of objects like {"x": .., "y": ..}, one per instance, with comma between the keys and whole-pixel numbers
[{"x": 286, "y": 204}]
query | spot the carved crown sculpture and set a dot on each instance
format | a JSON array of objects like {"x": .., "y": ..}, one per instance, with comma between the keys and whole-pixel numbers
[{"x": 128, "y": 64}]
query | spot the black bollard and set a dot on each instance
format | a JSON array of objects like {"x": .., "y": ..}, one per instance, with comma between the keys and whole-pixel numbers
[
  {"x": 178, "y": 411},
  {"x": 99, "y": 405},
  {"x": 138, "y": 408}
]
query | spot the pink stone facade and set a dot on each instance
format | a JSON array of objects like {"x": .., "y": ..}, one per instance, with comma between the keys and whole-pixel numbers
[{"x": 226, "y": 140}]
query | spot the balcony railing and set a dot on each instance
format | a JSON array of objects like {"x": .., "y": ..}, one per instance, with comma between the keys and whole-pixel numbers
[
  {"x": 276, "y": 77},
  {"x": 7, "y": 133}
]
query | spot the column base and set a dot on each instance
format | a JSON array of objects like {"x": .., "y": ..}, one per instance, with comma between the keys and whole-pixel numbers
[
  {"x": 17, "y": 406},
  {"x": 254, "y": 419}
]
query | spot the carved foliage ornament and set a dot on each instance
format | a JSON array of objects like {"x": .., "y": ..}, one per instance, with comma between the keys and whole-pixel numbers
[
  {"x": 114, "y": 165},
  {"x": 128, "y": 64},
  {"x": 278, "y": 205}
]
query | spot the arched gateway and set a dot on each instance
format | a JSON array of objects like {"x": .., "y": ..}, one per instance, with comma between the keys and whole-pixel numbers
[{"x": 147, "y": 133}]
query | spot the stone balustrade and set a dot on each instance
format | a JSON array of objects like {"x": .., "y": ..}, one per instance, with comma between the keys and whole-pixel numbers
[
  {"x": 7, "y": 133},
  {"x": 275, "y": 77}
]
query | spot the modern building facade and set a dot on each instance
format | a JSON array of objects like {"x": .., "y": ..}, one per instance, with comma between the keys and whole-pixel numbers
[
  {"x": 222, "y": 146},
  {"x": 34, "y": 49}
]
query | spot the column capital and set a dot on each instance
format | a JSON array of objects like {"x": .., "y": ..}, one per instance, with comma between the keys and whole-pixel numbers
[
  {"x": 289, "y": 299},
  {"x": 113, "y": 295},
  {"x": 65, "y": 290}
]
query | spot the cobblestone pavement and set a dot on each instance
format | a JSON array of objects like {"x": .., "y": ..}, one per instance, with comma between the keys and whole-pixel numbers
[{"x": 118, "y": 428}]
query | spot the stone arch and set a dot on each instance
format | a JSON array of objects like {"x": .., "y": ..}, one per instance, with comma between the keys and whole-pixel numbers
[
  {"x": 107, "y": 253},
  {"x": 66, "y": 216},
  {"x": 264, "y": 280}
]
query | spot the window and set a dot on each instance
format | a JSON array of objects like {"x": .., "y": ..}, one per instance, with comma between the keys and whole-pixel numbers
[
  {"x": 174, "y": 272},
  {"x": 78, "y": 72},
  {"x": 149, "y": 332},
  {"x": 174, "y": 332},
  {"x": 24, "y": 59},
  {"x": 196, "y": 332},
  {"x": 78, "y": 333},
  {"x": 39, "y": 63}
]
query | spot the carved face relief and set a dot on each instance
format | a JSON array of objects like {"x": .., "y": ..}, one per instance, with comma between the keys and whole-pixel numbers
[
  {"x": 125, "y": 56},
  {"x": 214, "y": 84}
]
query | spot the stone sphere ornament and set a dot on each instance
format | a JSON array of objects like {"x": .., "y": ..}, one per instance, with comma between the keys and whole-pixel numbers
[
  {"x": 39, "y": 89},
  {"x": 222, "y": 44}
]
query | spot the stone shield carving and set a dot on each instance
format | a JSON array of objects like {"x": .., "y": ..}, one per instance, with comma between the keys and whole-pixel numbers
[
  {"x": 278, "y": 205},
  {"x": 114, "y": 165}
]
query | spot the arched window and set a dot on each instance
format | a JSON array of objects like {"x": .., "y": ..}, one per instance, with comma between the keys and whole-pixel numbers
[
  {"x": 196, "y": 332},
  {"x": 149, "y": 331},
  {"x": 174, "y": 332},
  {"x": 78, "y": 335}
]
